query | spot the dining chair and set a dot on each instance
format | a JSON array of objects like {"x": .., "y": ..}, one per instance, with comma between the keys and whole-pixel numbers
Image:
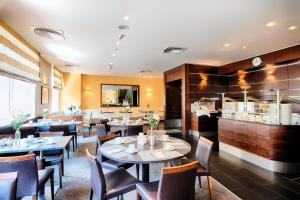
[
  {"x": 110, "y": 185},
  {"x": 8, "y": 185},
  {"x": 176, "y": 183},
  {"x": 30, "y": 179},
  {"x": 203, "y": 156},
  {"x": 133, "y": 130},
  {"x": 111, "y": 164},
  {"x": 64, "y": 128},
  {"x": 73, "y": 131},
  {"x": 87, "y": 123},
  {"x": 25, "y": 131}
]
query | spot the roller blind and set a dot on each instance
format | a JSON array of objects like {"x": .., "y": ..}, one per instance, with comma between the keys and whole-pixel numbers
[
  {"x": 57, "y": 75},
  {"x": 17, "y": 60}
]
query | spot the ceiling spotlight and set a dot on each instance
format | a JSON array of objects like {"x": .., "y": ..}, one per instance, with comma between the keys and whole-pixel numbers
[
  {"x": 270, "y": 24},
  {"x": 109, "y": 67},
  {"x": 291, "y": 28},
  {"x": 114, "y": 55},
  {"x": 244, "y": 47},
  {"x": 110, "y": 64},
  {"x": 126, "y": 18},
  {"x": 117, "y": 43},
  {"x": 124, "y": 27},
  {"x": 49, "y": 33},
  {"x": 121, "y": 36},
  {"x": 226, "y": 45}
]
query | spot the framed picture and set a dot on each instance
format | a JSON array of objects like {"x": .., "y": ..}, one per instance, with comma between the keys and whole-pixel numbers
[{"x": 45, "y": 95}]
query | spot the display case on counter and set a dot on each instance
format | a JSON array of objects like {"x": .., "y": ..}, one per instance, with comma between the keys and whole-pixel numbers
[{"x": 262, "y": 131}]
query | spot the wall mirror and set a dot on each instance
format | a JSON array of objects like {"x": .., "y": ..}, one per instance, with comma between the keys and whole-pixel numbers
[{"x": 119, "y": 95}]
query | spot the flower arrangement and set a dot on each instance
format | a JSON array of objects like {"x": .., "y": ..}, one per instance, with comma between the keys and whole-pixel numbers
[
  {"x": 45, "y": 113},
  {"x": 19, "y": 120},
  {"x": 153, "y": 120},
  {"x": 72, "y": 108}
]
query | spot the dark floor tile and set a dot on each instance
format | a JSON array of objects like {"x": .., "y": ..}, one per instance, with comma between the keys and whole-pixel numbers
[
  {"x": 283, "y": 191},
  {"x": 225, "y": 180},
  {"x": 292, "y": 185},
  {"x": 255, "y": 187},
  {"x": 246, "y": 194}
]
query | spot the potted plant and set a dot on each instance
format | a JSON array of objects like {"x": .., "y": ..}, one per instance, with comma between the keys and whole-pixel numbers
[{"x": 17, "y": 122}]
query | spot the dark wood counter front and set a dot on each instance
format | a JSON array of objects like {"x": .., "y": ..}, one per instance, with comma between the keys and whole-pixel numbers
[{"x": 273, "y": 142}]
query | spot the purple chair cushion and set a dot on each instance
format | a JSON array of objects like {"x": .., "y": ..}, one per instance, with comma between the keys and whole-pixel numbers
[{"x": 119, "y": 182}]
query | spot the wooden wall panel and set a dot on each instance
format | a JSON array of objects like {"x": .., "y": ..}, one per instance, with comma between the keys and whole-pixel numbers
[{"x": 273, "y": 142}]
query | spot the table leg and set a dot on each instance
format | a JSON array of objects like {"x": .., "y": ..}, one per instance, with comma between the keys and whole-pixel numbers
[
  {"x": 145, "y": 173},
  {"x": 41, "y": 155}
]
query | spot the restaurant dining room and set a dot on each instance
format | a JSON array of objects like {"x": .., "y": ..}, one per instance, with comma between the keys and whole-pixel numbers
[{"x": 149, "y": 100}]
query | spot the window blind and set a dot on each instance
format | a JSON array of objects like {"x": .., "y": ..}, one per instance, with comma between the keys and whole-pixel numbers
[
  {"x": 57, "y": 74},
  {"x": 17, "y": 60}
]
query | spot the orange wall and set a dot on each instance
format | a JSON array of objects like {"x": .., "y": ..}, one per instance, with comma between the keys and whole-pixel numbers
[
  {"x": 71, "y": 92},
  {"x": 151, "y": 90}
]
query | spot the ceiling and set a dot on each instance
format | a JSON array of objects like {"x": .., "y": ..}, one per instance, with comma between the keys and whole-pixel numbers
[{"x": 202, "y": 26}]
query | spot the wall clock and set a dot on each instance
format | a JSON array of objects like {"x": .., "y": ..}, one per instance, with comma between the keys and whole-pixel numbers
[{"x": 256, "y": 61}]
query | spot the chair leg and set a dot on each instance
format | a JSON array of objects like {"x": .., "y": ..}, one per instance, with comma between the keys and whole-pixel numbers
[
  {"x": 91, "y": 194},
  {"x": 63, "y": 167},
  {"x": 209, "y": 186},
  {"x": 52, "y": 186},
  {"x": 68, "y": 150},
  {"x": 60, "y": 174},
  {"x": 199, "y": 179},
  {"x": 97, "y": 148},
  {"x": 137, "y": 167}
]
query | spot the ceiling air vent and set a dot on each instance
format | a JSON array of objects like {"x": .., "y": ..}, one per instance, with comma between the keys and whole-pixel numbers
[
  {"x": 145, "y": 71},
  {"x": 124, "y": 27},
  {"x": 174, "y": 50},
  {"x": 49, "y": 33}
]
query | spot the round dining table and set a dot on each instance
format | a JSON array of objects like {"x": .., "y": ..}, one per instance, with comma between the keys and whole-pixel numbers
[
  {"x": 146, "y": 154},
  {"x": 121, "y": 125}
]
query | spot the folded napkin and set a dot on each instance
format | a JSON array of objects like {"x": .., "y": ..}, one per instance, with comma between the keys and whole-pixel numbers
[
  {"x": 159, "y": 155},
  {"x": 114, "y": 151}
]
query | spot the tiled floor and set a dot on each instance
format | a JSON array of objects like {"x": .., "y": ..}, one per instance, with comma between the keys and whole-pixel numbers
[{"x": 251, "y": 182}]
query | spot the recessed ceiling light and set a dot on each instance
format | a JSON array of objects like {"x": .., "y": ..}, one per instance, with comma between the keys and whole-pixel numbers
[
  {"x": 244, "y": 46},
  {"x": 226, "y": 45},
  {"x": 114, "y": 54},
  {"x": 126, "y": 18},
  {"x": 270, "y": 24},
  {"x": 117, "y": 43},
  {"x": 291, "y": 28},
  {"x": 110, "y": 63},
  {"x": 49, "y": 33}
]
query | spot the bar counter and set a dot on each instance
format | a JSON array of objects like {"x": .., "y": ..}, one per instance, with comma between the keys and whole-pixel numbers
[{"x": 275, "y": 147}]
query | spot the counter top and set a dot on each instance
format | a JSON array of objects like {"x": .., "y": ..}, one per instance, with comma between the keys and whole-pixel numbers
[{"x": 271, "y": 124}]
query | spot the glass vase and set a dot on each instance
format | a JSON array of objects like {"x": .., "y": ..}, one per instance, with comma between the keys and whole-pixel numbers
[{"x": 17, "y": 136}]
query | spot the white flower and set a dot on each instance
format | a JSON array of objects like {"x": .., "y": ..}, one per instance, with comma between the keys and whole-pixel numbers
[{"x": 155, "y": 116}]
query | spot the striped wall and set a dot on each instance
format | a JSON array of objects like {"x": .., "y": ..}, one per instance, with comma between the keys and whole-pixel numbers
[{"x": 17, "y": 58}]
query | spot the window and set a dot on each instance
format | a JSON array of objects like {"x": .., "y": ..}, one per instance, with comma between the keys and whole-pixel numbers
[
  {"x": 55, "y": 100},
  {"x": 5, "y": 98},
  {"x": 23, "y": 94},
  {"x": 16, "y": 96}
]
